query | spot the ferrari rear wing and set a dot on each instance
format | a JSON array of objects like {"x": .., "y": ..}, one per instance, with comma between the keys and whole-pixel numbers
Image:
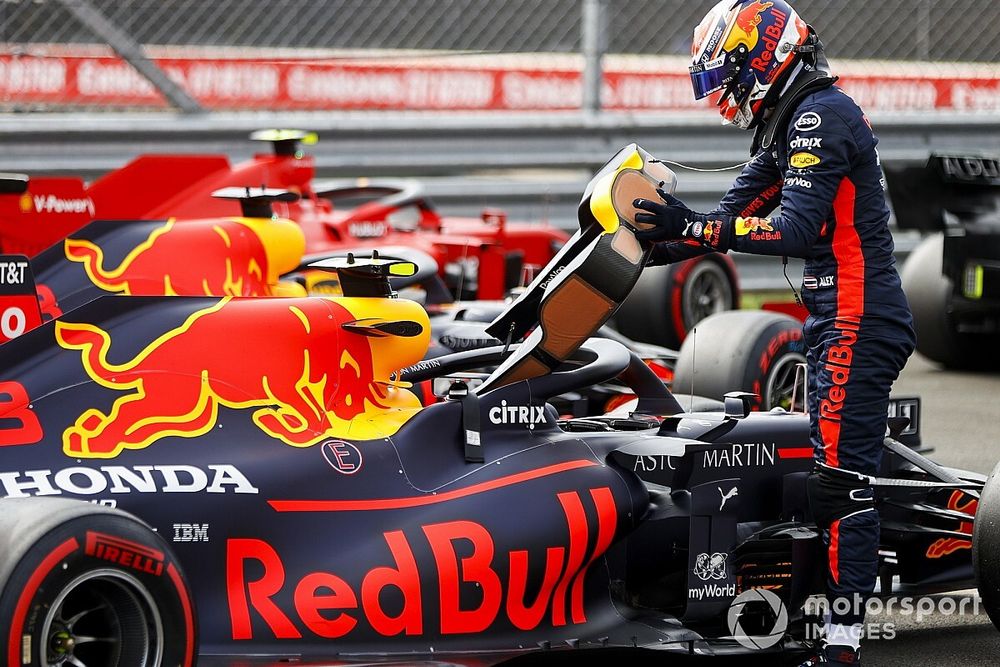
[
  {"x": 39, "y": 212},
  {"x": 19, "y": 309}
]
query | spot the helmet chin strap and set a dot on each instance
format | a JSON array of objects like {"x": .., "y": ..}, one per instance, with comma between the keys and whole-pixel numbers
[{"x": 815, "y": 52}]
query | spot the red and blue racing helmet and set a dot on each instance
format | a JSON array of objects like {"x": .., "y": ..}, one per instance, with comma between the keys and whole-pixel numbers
[{"x": 741, "y": 49}]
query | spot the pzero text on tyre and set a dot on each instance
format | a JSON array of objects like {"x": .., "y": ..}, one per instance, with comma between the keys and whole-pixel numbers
[{"x": 89, "y": 586}]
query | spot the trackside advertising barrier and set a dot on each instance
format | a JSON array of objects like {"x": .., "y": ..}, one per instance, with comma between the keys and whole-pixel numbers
[{"x": 69, "y": 79}]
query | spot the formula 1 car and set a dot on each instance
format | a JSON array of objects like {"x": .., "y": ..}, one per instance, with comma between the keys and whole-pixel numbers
[
  {"x": 480, "y": 258},
  {"x": 952, "y": 279},
  {"x": 178, "y": 479},
  {"x": 260, "y": 254}
]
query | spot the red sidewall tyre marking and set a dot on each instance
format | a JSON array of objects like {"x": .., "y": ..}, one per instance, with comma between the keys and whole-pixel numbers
[{"x": 182, "y": 593}]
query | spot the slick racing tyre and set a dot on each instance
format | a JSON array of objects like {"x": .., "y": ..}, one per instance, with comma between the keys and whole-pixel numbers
[
  {"x": 929, "y": 293},
  {"x": 747, "y": 350},
  {"x": 669, "y": 300},
  {"x": 87, "y": 585},
  {"x": 986, "y": 546}
]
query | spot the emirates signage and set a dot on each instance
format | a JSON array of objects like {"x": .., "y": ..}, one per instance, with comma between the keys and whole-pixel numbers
[{"x": 62, "y": 77}]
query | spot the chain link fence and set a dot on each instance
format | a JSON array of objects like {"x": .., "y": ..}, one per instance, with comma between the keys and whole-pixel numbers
[{"x": 454, "y": 54}]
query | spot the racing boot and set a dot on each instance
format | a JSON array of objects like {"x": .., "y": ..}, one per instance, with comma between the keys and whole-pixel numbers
[{"x": 834, "y": 654}]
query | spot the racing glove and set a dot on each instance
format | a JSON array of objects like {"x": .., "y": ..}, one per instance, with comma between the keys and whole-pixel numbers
[{"x": 675, "y": 221}]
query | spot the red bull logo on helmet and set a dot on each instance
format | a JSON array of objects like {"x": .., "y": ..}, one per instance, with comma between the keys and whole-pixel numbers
[
  {"x": 744, "y": 28},
  {"x": 304, "y": 377},
  {"x": 771, "y": 36}
]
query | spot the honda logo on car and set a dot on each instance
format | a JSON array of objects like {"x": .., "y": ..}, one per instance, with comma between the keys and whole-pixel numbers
[
  {"x": 522, "y": 587},
  {"x": 84, "y": 481}
]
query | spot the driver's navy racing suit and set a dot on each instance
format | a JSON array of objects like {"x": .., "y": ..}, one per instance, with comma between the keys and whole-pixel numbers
[{"x": 824, "y": 171}]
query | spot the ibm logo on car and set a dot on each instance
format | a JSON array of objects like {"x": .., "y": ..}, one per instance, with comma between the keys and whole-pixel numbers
[{"x": 190, "y": 532}]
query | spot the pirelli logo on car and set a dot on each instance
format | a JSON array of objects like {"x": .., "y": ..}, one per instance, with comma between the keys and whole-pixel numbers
[{"x": 803, "y": 160}]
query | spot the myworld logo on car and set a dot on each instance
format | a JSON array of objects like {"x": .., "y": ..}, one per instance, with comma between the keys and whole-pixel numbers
[{"x": 712, "y": 591}]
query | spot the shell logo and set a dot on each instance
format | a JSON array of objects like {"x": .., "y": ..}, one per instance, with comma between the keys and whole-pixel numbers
[{"x": 25, "y": 203}]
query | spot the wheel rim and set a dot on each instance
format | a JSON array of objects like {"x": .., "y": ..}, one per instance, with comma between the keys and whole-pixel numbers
[
  {"x": 781, "y": 382},
  {"x": 103, "y": 618},
  {"x": 706, "y": 292}
]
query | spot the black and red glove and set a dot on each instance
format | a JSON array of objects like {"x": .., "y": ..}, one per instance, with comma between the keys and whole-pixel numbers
[{"x": 675, "y": 221}]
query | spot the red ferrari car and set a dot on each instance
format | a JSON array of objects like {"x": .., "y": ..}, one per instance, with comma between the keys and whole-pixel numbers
[{"x": 479, "y": 258}]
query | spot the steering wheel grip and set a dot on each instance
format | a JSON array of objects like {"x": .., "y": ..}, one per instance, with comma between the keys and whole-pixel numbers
[{"x": 601, "y": 360}]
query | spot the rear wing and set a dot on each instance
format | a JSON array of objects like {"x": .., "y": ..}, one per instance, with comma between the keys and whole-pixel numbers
[
  {"x": 19, "y": 310},
  {"x": 40, "y": 212},
  {"x": 961, "y": 189}
]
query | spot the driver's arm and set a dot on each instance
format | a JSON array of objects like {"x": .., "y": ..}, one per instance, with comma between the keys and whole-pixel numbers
[
  {"x": 811, "y": 191},
  {"x": 755, "y": 192},
  {"x": 815, "y": 188}
]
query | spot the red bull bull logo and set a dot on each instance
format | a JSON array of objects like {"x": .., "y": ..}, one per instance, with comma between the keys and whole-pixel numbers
[
  {"x": 304, "y": 376},
  {"x": 744, "y": 28},
  {"x": 238, "y": 257},
  {"x": 959, "y": 501}
]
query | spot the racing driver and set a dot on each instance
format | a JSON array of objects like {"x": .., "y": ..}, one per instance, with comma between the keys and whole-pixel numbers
[{"x": 814, "y": 154}]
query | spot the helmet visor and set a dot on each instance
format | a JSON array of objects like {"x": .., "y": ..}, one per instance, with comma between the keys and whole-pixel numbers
[{"x": 709, "y": 77}]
